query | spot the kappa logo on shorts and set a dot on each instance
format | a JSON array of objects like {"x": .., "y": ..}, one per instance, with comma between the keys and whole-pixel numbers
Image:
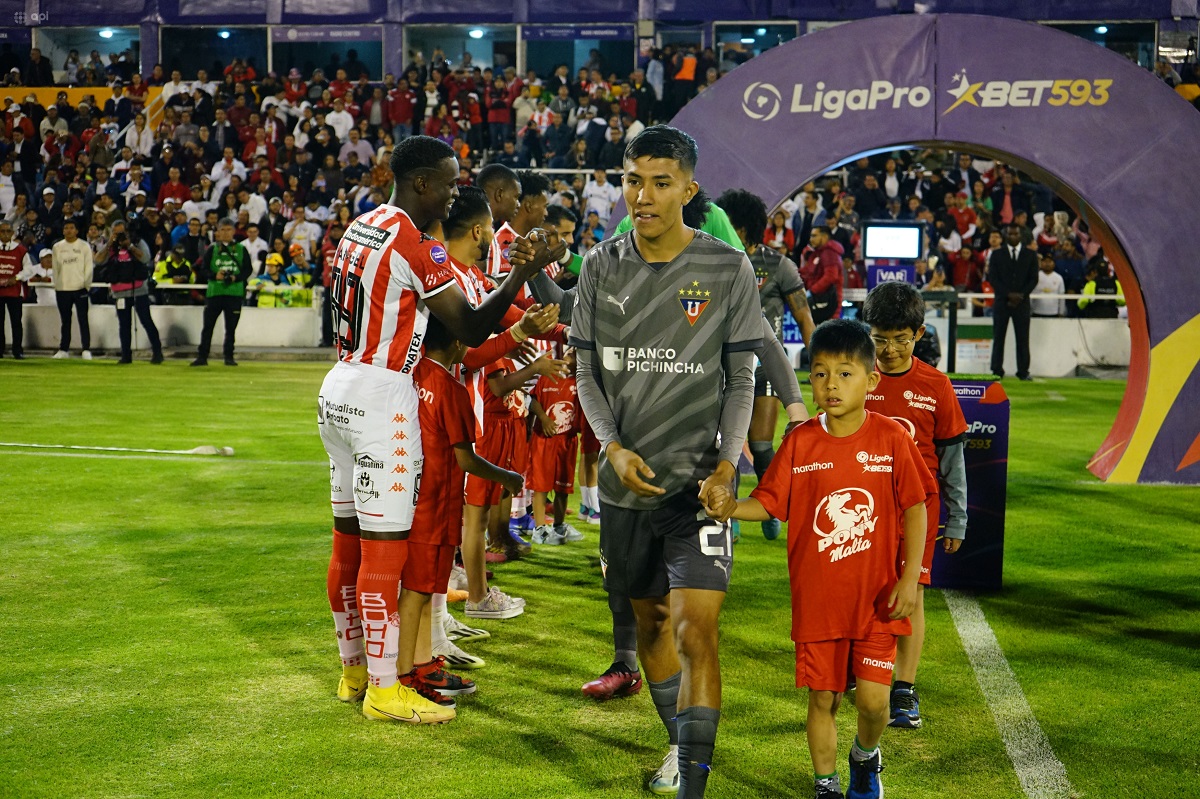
[
  {"x": 397, "y": 488},
  {"x": 399, "y": 468},
  {"x": 399, "y": 435},
  {"x": 399, "y": 419},
  {"x": 399, "y": 453}
]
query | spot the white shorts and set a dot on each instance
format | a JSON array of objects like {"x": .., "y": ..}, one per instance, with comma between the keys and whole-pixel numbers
[{"x": 369, "y": 426}]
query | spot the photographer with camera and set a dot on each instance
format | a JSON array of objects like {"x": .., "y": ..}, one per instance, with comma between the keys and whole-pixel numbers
[
  {"x": 125, "y": 263},
  {"x": 225, "y": 266}
]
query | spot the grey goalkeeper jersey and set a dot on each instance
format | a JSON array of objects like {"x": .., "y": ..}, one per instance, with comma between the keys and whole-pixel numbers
[
  {"x": 658, "y": 335},
  {"x": 777, "y": 278}
]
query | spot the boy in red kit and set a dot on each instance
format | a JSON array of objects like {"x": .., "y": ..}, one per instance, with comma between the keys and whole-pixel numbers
[
  {"x": 856, "y": 481},
  {"x": 920, "y": 398},
  {"x": 553, "y": 448},
  {"x": 447, "y": 434}
]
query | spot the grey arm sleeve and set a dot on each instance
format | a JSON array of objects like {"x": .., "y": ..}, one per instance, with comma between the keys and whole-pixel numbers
[
  {"x": 952, "y": 474},
  {"x": 779, "y": 370},
  {"x": 737, "y": 404},
  {"x": 595, "y": 404},
  {"x": 547, "y": 292}
]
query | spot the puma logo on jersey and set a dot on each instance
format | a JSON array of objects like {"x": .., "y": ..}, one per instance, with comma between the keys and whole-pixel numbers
[{"x": 621, "y": 304}]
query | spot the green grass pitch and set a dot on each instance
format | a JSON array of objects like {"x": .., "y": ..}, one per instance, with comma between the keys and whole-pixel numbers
[{"x": 166, "y": 634}]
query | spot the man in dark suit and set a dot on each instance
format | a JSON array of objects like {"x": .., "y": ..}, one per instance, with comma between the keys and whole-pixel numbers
[
  {"x": 1012, "y": 271},
  {"x": 964, "y": 174}
]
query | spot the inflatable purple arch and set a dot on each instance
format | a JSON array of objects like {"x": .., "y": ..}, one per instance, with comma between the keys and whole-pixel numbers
[{"x": 1105, "y": 134}]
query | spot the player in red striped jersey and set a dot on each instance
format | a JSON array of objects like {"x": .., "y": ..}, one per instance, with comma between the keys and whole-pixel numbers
[{"x": 387, "y": 277}]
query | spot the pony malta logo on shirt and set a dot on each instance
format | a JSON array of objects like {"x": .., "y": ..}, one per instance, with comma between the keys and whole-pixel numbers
[
  {"x": 694, "y": 300},
  {"x": 843, "y": 521}
]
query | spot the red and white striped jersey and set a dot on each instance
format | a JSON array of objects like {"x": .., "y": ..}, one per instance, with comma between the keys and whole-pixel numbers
[
  {"x": 498, "y": 264},
  {"x": 383, "y": 268}
]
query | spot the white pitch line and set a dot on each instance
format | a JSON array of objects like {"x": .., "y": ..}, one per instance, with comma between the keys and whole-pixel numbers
[
  {"x": 177, "y": 458},
  {"x": 1041, "y": 774}
]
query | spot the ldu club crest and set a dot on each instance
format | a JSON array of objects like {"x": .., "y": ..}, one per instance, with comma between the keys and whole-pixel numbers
[{"x": 694, "y": 300}]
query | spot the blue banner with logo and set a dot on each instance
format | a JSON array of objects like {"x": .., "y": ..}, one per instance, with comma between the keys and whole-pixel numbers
[
  {"x": 569, "y": 33},
  {"x": 881, "y": 273},
  {"x": 979, "y": 563}
]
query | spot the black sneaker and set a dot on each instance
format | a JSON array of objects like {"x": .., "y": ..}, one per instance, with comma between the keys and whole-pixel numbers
[
  {"x": 230, "y": 362},
  {"x": 200, "y": 362},
  {"x": 156, "y": 358},
  {"x": 125, "y": 359},
  {"x": 864, "y": 777},
  {"x": 413, "y": 680},
  {"x": 905, "y": 709}
]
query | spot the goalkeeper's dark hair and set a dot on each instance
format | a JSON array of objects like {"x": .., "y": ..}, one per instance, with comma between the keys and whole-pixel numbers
[
  {"x": 492, "y": 174},
  {"x": 844, "y": 337},
  {"x": 894, "y": 306},
  {"x": 746, "y": 211},
  {"x": 557, "y": 213},
  {"x": 438, "y": 336},
  {"x": 532, "y": 184},
  {"x": 664, "y": 141},
  {"x": 470, "y": 208},
  {"x": 416, "y": 153},
  {"x": 696, "y": 211}
]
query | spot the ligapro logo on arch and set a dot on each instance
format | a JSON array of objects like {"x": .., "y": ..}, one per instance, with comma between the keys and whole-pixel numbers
[{"x": 763, "y": 101}]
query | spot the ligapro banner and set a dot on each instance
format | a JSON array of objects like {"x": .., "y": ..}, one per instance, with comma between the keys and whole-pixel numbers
[{"x": 1086, "y": 121}]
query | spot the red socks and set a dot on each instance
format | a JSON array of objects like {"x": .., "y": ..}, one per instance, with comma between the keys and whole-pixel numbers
[
  {"x": 341, "y": 585},
  {"x": 378, "y": 606}
]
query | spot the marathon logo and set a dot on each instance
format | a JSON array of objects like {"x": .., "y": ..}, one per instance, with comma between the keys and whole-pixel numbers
[
  {"x": 811, "y": 467},
  {"x": 879, "y": 664},
  {"x": 366, "y": 235},
  {"x": 968, "y": 391}
]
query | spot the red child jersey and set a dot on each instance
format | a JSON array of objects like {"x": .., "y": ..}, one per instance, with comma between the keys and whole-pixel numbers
[
  {"x": 383, "y": 268},
  {"x": 446, "y": 421},
  {"x": 924, "y": 403},
  {"x": 560, "y": 400},
  {"x": 843, "y": 500}
]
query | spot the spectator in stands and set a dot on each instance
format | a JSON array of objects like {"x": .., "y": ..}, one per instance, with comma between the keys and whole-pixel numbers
[
  {"x": 778, "y": 236},
  {"x": 38, "y": 72},
  {"x": 600, "y": 195},
  {"x": 1008, "y": 198},
  {"x": 1049, "y": 282},
  {"x": 821, "y": 267}
]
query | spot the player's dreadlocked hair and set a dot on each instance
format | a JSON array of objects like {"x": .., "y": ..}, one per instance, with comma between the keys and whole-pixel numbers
[
  {"x": 746, "y": 211},
  {"x": 493, "y": 174},
  {"x": 696, "y": 211},
  {"x": 471, "y": 208},
  {"x": 894, "y": 306},
  {"x": 844, "y": 337},
  {"x": 664, "y": 141},
  {"x": 418, "y": 152},
  {"x": 532, "y": 184}
]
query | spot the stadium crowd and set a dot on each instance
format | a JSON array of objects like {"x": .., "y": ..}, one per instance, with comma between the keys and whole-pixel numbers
[{"x": 289, "y": 159}]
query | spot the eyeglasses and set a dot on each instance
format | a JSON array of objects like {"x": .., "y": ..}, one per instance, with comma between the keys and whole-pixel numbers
[{"x": 895, "y": 343}]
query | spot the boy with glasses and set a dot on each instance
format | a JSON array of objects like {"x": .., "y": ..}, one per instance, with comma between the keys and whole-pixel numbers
[{"x": 921, "y": 398}]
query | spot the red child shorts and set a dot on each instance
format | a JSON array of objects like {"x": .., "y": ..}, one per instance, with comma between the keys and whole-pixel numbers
[
  {"x": 427, "y": 570},
  {"x": 552, "y": 463},
  {"x": 495, "y": 446},
  {"x": 827, "y": 665}
]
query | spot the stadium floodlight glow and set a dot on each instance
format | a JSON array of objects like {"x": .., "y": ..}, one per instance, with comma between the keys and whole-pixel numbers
[
  {"x": 747, "y": 40},
  {"x": 106, "y": 34},
  {"x": 224, "y": 34},
  {"x": 475, "y": 33},
  {"x": 1101, "y": 29},
  {"x": 760, "y": 32}
]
